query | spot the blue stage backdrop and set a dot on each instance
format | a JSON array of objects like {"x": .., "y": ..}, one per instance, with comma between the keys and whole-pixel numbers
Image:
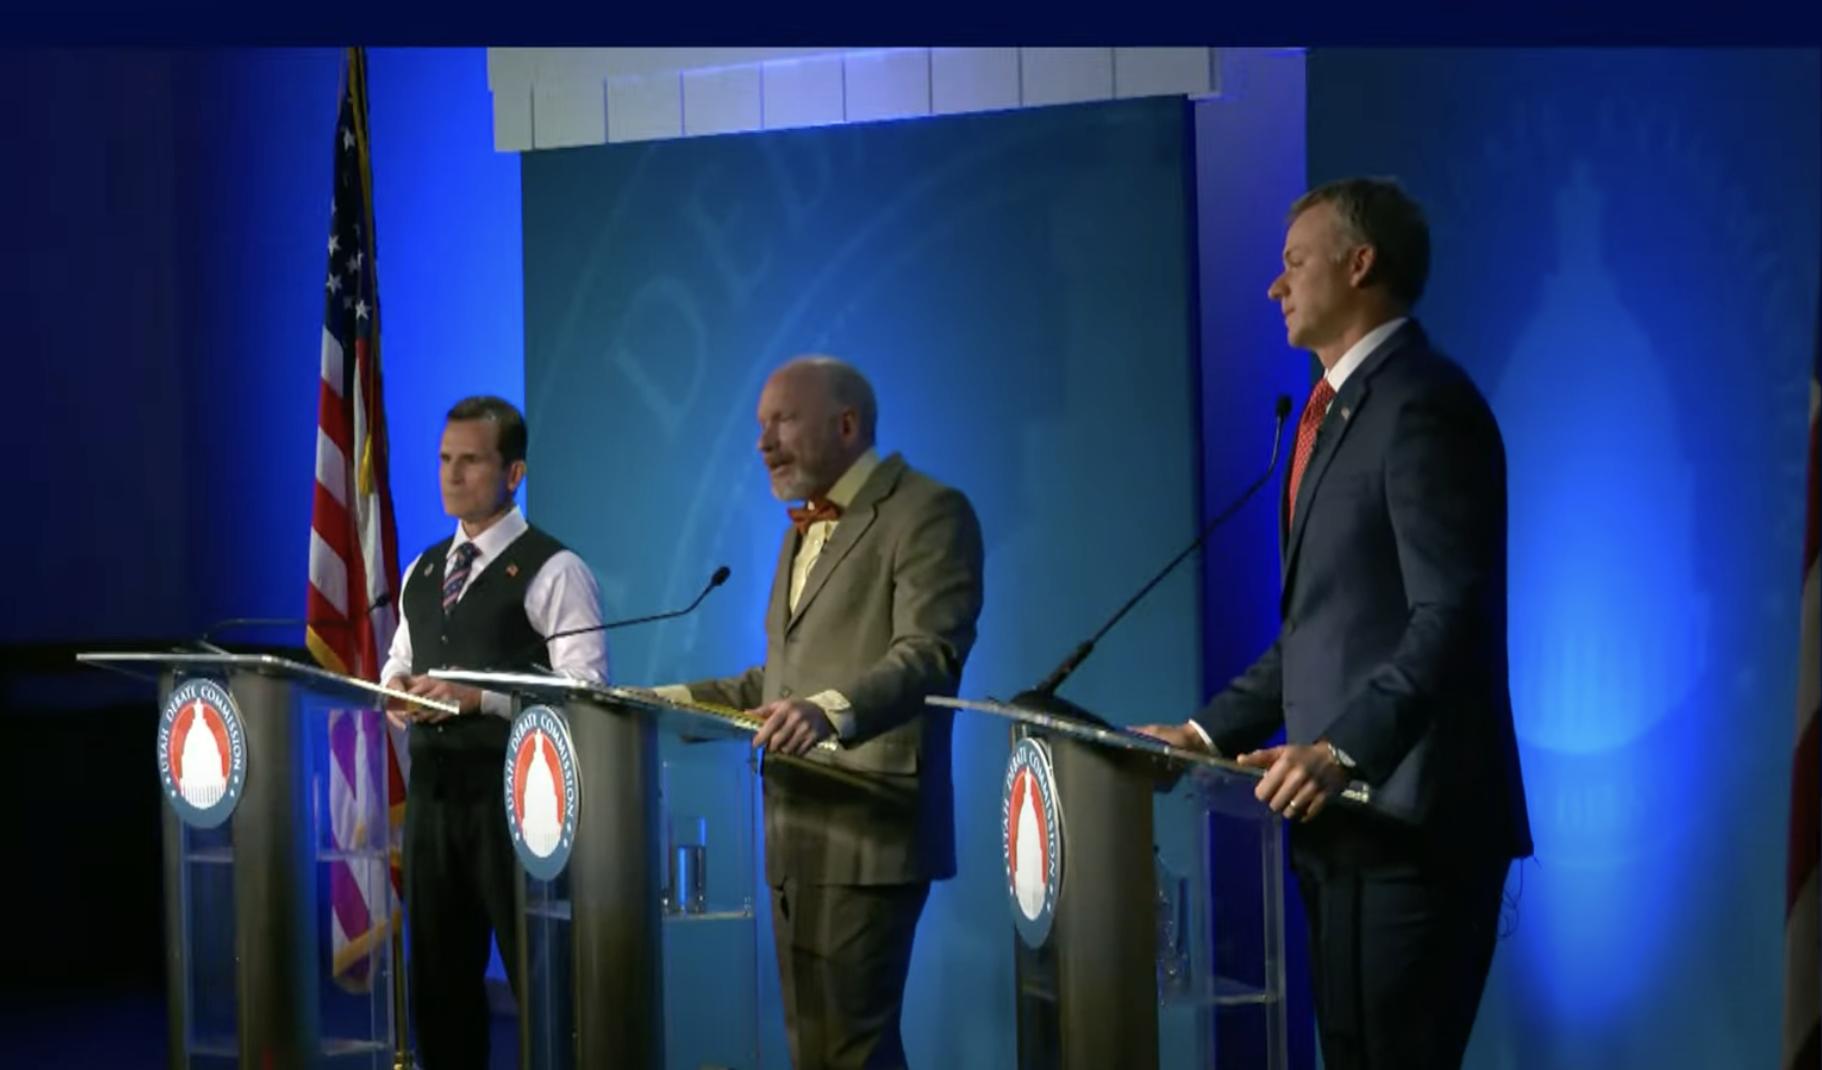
[
  {"x": 1626, "y": 259},
  {"x": 1250, "y": 165},
  {"x": 1016, "y": 285},
  {"x": 171, "y": 318}
]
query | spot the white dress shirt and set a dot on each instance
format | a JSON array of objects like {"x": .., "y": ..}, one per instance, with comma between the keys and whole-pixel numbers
[
  {"x": 1359, "y": 352},
  {"x": 562, "y": 595}
]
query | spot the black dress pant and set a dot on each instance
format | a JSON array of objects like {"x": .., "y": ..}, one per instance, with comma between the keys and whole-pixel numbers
[
  {"x": 1401, "y": 941},
  {"x": 844, "y": 952},
  {"x": 459, "y": 867}
]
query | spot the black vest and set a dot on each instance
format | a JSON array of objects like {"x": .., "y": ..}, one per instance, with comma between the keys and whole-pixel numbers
[{"x": 486, "y": 630}]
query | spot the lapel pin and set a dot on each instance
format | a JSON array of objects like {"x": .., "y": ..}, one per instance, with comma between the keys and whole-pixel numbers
[
  {"x": 512, "y": 568},
  {"x": 1347, "y": 413},
  {"x": 429, "y": 567}
]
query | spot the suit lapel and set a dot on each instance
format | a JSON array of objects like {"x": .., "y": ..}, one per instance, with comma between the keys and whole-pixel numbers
[
  {"x": 778, "y": 612},
  {"x": 856, "y": 521},
  {"x": 1329, "y": 436}
]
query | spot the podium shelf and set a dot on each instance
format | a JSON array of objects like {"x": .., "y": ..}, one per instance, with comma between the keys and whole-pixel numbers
[
  {"x": 708, "y": 916},
  {"x": 227, "y": 1047},
  {"x": 1221, "y": 992},
  {"x": 372, "y": 854},
  {"x": 560, "y": 910}
]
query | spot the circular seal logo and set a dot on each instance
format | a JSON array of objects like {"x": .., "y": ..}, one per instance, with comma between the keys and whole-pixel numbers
[
  {"x": 1031, "y": 826},
  {"x": 541, "y": 791},
  {"x": 202, "y": 753}
]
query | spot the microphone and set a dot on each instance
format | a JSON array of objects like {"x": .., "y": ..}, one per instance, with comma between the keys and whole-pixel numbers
[
  {"x": 208, "y": 633},
  {"x": 1043, "y": 697},
  {"x": 720, "y": 577}
]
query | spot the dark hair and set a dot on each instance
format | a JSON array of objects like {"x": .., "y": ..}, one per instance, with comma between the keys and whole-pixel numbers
[
  {"x": 509, "y": 425},
  {"x": 1378, "y": 212}
]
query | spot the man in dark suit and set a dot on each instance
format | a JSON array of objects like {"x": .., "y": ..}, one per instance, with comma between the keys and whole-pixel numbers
[
  {"x": 1390, "y": 664},
  {"x": 873, "y": 609}
]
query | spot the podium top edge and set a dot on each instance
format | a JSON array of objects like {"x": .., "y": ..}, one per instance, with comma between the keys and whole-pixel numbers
[
  {"x": 538, "y": 683},
  {"x": 1119, "y": 739},
  {"x": 695, "y": 716},
  {"x": 1356, "y": 793},
  {"x": 139, "y": 662}
]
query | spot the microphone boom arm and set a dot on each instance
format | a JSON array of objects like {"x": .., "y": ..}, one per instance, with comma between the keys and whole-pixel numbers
[{"x": 1080, "y": 654}]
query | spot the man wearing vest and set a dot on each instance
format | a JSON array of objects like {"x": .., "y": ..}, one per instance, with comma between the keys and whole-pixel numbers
[
  {"x": 873, "y": 609},
  {"x": 483, "y": 598}
]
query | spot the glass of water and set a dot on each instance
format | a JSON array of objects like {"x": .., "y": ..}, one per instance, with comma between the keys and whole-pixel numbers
[{"x": 689, "y": 865}]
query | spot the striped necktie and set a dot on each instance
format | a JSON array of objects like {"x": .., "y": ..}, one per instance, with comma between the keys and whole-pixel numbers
[{"x": 458, "y": 575}]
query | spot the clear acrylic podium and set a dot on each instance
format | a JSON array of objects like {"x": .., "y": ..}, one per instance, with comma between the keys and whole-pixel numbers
[
  {"x": 256, "y": 973},
  {"x": 643, "y": 951},
  {"x": 1152, "y": 958}
]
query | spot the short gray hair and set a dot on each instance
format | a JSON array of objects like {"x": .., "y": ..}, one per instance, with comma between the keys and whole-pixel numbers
[
  {"x": 848, "y": 387},
  {"x": 1378, "y": 212}
]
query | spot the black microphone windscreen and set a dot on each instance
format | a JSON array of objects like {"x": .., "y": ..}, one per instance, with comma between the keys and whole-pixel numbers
[
  {"x": 720, "y": 577},
  {"x": 1283, "y": 407}
]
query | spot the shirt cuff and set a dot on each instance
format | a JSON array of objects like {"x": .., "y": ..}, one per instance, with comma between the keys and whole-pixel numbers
[
  {"x": 838, "y": 709},
  {"x": 1206, "y": 742},
  {"x": 674, "y": 693},
  {"x": 496, "y": 704}
]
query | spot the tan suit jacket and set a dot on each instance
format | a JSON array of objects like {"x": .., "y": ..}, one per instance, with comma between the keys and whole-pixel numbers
[{"x": 887, "y": 617}]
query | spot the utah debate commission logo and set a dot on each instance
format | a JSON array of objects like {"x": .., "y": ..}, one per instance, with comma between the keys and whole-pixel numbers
[
  {"x": 541, "y": 791},
  {"x": 202, "y": 753},
  {"x": 1031, "y": 826}
]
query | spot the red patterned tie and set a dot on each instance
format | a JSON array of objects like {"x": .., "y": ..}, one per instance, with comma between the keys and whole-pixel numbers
[
  {"x": 814, "y": 510},
  {"x": 1313, "y": 411}
]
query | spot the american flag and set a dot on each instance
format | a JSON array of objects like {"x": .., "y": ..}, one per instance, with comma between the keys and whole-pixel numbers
[
  {"x": 354, "y": 555},
  {"x": 1802, "y": 896}
]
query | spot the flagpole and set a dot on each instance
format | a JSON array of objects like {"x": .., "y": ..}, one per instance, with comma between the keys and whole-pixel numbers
[{"x": 401, "y": 1052}]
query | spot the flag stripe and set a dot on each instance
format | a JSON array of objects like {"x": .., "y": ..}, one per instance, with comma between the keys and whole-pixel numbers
[
  {"x": 333, "y": 372},
  {"x": 352, "y": 597},
  {"x": 332, "y": 420},
  {"x": 329, "y": 575},
  {"x": 331, "y": 468}
]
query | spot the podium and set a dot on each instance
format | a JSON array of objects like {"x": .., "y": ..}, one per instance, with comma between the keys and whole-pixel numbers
[
  {"x": 1130, "y": 949},
  {"x": 630, "y": 908},
  {"x": 279, "y": 937}
]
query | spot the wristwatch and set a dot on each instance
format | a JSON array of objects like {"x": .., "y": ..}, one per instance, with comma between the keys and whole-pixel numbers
[{"x": 1340, "y": 756}]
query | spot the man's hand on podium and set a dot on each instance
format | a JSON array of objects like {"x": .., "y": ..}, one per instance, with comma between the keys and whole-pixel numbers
[
  {"x": 1300, "y": 778},
  {"x": 1180, "y": 736},
  {"x": 792, "y": 726},
  {"x": 401, "y": 715}
]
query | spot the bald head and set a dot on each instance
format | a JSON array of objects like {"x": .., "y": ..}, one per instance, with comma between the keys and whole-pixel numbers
[{"x": 817, "y": 415}]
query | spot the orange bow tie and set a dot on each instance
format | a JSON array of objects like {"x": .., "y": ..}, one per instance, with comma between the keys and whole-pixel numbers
[{"x": 814, "y": 510}]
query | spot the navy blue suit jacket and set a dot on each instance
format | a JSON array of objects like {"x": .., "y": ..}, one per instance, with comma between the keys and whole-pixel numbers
[{"x": 1393, "y": 636}]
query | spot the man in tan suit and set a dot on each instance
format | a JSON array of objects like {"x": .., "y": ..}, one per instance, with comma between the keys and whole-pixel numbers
[{"x": 873, "y": 608}]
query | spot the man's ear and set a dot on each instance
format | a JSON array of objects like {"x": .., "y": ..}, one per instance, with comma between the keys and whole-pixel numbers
[
  {"x": 1363, "y": 264},
  {"x": 515, "y": 475}
]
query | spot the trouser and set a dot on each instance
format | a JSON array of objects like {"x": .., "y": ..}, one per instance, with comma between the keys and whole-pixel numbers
[
  {"x": 844, "y": 952},
  {"x": 1399, "y": 954},
  {"x": 459, "y": 868}
]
